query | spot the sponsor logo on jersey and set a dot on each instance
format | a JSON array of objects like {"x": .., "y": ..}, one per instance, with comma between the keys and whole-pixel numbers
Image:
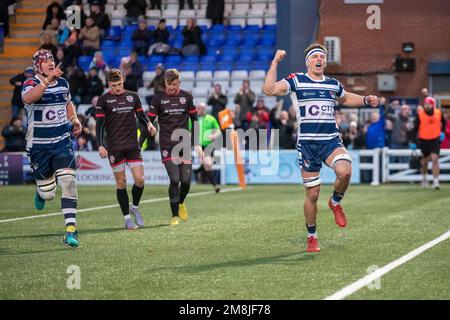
[
  {"x": 111, "y": 101},
  {"x": 165, "y": 101},
  {"x": 165, "y": 153},
  {"x": 130, "y": 98},
  {"x": 183, "y": 100},
  {"x": 315, "y": 110},
  {"x": 305, "y": 94},
  {"x": 53, "y": 114},
  {"x": 333, "y": 94},
  {"x": 112, "y": 159}
]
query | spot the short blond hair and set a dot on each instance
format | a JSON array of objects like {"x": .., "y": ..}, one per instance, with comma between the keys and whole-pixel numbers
[
  {"x": 114, "y": 75},
  {"x": 171, "y": 75}
]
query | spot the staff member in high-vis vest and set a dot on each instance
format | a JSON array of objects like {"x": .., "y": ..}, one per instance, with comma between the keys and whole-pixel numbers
[{"x": 428, "y": 132}]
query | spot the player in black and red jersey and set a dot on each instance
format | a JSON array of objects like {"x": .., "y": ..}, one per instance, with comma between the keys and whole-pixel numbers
[
  {"x": 174, "y": 107},
  {"x": 116, "y": 113}
]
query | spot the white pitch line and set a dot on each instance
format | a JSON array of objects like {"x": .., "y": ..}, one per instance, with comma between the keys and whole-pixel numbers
[
  {"x": 355, "y": 286},
  {"x": 115, "y": 205}
]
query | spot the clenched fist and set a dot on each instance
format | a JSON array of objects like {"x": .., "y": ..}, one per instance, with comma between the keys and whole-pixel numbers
[{"x": 279, "y": 55}]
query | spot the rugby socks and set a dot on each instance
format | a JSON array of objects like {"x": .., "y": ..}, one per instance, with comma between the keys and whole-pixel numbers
[
  {"x": 69, "y": 209},
  {"x": 174, "y": 207},
  {"x": 337, "y": 197},
  {"x": 184, "y": 190},
  {"x": 137, "y": 194},
  {"x": 210, "y": 176},
  {"x": 311, "y": 230},
  {"x": 122, "y": 197}
]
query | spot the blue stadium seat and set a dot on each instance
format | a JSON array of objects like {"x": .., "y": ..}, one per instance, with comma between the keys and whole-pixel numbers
[
  {"x": 193, "y": 58},
  {"x": 235, "y": 28},
  {"x": 251, "y": 39},
  {"x": 172, "y": 65},
  {"x": 272, "y": 27},
  {"x": 113, "y": 33},
  {"x": 208, "y": 59},
  {"x": 173, "y": 59},
  {"x": 207, "y": 66},
  {"x": 84, "y": 62},
  {"x": 212, "y": 50},
  {"x": 246, "y": 56},
  {"x": 178, "y": 43},
  {"x": 217, "y": 40},
  {"x": 268, "y": 41},
  {"x": 189, "y": 66},
  {"x": 126, "y": 42},
  {"x": 224, "y": 66},
  {"x": 234, "y": 39},
  {"x": 124, "y": 51},
  {"x": 217, "y": 28},
  {"x": 155, "y": 59},
  {"x": 246, "y": 48},
  {"x": 228, "y": 58},
  {"x": 251, "y": 28},
  {"x": 130, "y": 29},
  {"x": 108, "y": 44},
  {"x": 259, "y": 65},
  {"x": 242, "y": 65}
]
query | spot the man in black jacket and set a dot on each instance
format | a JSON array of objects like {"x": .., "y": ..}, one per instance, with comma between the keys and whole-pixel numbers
[
  {"x": 17, "y": 81},
  {"x": 4, "y": 16},
  {"x": 135, "y": 8},
  {"x": 14, "y": 135}
]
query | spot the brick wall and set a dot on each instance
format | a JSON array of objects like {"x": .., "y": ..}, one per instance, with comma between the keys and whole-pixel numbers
[{"x": 367, "y": 52}]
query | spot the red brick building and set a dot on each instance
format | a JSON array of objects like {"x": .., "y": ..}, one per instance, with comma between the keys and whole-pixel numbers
[{"x": 366, "y": 53}]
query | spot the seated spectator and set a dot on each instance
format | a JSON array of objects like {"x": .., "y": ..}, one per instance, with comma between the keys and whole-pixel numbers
[
  {"x": 101, "y": 19},
  {"x": 76, "y": 79},
  {"x": 157, "y": 83},
  {"x": 190, "y": 4},
  {"x": 54, "y": 11},
  {"x": 47, "y": 43},
  {"x": 90, "y": 36},
  {"x": 192, "y": 39},
  {"x": 99, "y": 62},
  {"x": 355, "y": 137},
  {"x": 14, "y": 135},
  {"x": 160, "y": 39},
  {"x": 60, "y": 58},
  {"x": 93, "y": 86},
  {"x": 17, "y": 81},
  {"x": 217, "y": 100},
  {"x": 135, "y": 9},
  {"x": 142, "y": 38},
  {"x": 52, "y": 29},
  {"x": 86, "y": 140},
  {"x": 155, "y": 4},
  {"x": 63, "y": 33}
]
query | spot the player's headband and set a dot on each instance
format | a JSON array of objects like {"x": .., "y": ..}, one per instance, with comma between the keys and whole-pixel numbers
[{"x": 313, "y": 51}]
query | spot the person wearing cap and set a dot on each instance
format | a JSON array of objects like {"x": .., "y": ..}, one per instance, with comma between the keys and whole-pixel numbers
[
  {"x": 51, "y": 116},
  {"x": 314, "y": 96},
  {"x": 101, "y": 19},
  {"x": 17, "y": 81},
  {"x": 428, "y": 133}
]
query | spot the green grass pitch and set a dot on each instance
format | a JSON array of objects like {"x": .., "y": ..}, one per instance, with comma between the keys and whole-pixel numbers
[{"x": 236, "y": 245}]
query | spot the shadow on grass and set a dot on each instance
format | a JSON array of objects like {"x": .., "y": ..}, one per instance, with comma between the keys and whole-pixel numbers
[
  {"x": 282, "y": 259},
  {"x": 81, "y": 232}
]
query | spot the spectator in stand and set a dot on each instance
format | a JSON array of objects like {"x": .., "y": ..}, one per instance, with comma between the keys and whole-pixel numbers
[
  {"x": 101, "y": 19},
  {"x": 190, "y": 4},
  {"x": 4, "y": 15},
  {"x": 142, "y": 37},
  {"x": 215, "y": 11},
  {"x": 76, "y": 79},
  {"x": 100, "y": 3},
  {"x": 401, "y": 128},
  {"x": 54, "y": 11},
  {"x": 132, "y": 70},
  {"x": 47, "y": 43},
  {"x": 14, "y": 135},
  {"x": 217, "y": 101},
  {"x": 98, "y": 61},
  {"x": 90, "y": 36},
  {"x": 63, "y": 33},
  {"x": 446, "y": 142},
  {"x": 244, "y": 101},
  {"x": 86, "y": 140},
  {"x": 262, "y": 112},
  {"x": 17, "y": 81},
  {"x": 375, "y": 130},
  {"x": 135, "y": 9},
  {"x": 53, "y": 29},
  {"x": 355, "y": 136},
  {"x": 71, "y": 49},
  {"x": 60, "y": 58},
  {"x": 192, "y": 39},
  {"x": 286, "y": 131},
  {"x": 93, "y": 86},
  {"x": 157, "y": 83},
  {"x": 160, "y": 39},
  {"x": 155, "y": 4}
]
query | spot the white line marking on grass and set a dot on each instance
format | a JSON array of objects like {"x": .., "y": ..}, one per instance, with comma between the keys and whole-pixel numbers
[
  {"x": 355, "y": 286},
  {"x": 116, "y": 205}
]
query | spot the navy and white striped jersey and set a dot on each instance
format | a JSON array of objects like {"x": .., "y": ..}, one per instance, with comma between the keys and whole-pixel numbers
[
  {"x": 315, "y": 101},
  {"x": 47, "y": 118}
]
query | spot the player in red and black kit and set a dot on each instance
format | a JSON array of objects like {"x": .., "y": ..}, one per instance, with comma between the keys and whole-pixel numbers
[
  {"x": 174, "y": 107},
  {"x": 116, "y": 113}
]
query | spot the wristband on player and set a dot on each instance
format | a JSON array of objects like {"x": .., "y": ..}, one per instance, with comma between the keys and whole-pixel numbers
[
  {"x": 366, "y": 103},
  {"x": 73, "y": 118}
]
